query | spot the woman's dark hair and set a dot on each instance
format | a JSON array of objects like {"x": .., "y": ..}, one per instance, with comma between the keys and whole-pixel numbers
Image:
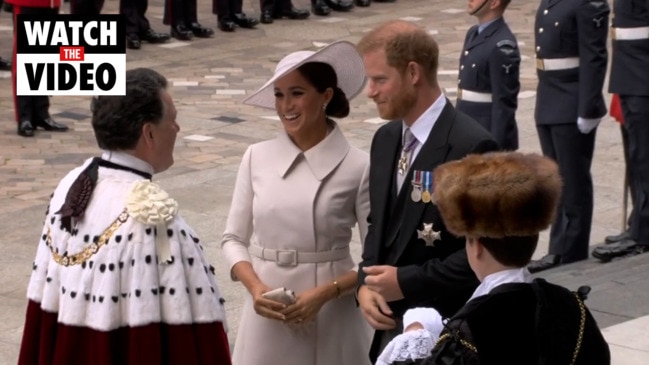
[
  {"x": 513, "y": 251},
  {"x": 322, "y": 76},
  {"x": 118, "y": 120}
]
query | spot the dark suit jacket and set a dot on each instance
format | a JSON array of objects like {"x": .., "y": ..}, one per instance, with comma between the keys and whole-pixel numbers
[
  {"x": 629, "y": 75},
  {"x": 571, "y": 28},
  {"x": 490, "y": 63},
  {"x": 438, "y": 276}
]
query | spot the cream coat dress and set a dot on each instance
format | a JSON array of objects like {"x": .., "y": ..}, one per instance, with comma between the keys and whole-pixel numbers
[{"x": 307, "y": 201}]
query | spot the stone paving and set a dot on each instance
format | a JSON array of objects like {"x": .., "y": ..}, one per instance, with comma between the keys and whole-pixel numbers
[{"x": 209, "y": 78}]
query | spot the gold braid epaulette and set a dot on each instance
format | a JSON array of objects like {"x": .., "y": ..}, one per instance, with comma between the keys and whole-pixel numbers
[
  {"x": 464, "y": 342},
  {"x": 89, "y": 251}
]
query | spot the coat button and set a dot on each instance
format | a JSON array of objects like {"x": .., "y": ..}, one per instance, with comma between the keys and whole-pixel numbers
[
  {"x": 461, "y": 67},
  {"x": 545, "y": 12},
  {"x": 473, "y": 65},
  {"x": 466, "y": 53},
  {"x": 540, "y": 30},
  {"x": 458, "y": 81},
  {"x": 556, "y": 24},
  {"x": 538, "y": 48}
]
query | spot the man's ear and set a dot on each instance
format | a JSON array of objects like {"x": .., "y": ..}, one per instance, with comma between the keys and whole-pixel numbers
[
  {"x": 147, "y": 134},
  {"x": 413, "y": 70}
]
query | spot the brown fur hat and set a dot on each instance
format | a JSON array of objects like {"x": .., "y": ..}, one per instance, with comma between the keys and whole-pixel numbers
[{"x": 497, "y": 194}]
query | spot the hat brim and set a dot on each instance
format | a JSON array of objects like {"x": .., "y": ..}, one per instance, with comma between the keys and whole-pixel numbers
[{"x": 341, "y": 55}]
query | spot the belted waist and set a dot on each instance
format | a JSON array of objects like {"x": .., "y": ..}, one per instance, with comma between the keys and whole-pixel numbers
[
  {"x": 627, "y": 34},
  {"x": 468, "y": 95},
  {"x": 294, "y": 257},
  {"x": 551, "y": 64}
]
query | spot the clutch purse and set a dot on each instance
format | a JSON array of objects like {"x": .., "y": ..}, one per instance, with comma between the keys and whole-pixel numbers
[{"x": 282, "y": 295}]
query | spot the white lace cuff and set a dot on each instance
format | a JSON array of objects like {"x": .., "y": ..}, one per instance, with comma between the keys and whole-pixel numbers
[
  {"x": 429, "y": 318},
  {"x": 411, "y": 345}
]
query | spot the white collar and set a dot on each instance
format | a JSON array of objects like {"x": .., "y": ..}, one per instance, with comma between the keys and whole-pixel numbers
[
  {"x": 501, "y": 277},
  {"x": 128, "y": 160},
  {"x": 424, "y": 124}
]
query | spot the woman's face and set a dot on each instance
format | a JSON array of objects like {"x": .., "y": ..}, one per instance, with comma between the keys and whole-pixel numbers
[{"x": 298, "y": 104}]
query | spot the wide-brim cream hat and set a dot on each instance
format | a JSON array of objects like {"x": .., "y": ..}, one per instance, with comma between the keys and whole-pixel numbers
[{"x": 341, "y": 55}]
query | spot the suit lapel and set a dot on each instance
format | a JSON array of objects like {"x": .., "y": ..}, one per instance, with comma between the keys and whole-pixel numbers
[{"x": 432, "y": 154}]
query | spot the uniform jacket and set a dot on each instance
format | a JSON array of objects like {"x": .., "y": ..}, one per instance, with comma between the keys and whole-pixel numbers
[
  {"x": 571, "y": 28},
  {"x": 438, "y": 276},
  {"x": 537, "y": 323},
  {"x": 630, "y": 58},
  {"x": 307, "y": 201},
  {"x": 490, "y": 63}
]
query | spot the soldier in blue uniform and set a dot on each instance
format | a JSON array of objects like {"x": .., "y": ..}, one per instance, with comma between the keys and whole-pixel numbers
[
  {"x": 488, "y": 82},
  {"x": 571, "y": 62},
  {"x": 630, "y": 79}
]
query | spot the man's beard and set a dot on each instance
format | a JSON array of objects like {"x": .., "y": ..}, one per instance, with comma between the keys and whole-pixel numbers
[{"x": 401, "y": 105}]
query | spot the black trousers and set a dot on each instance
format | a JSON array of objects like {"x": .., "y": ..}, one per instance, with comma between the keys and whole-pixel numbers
[
  {"x": 625, "y": 146},
  {"x": 573, "y": 152},
  {"x": 180, "y": 12},
  {"x": 225, "y": 8},
  {"x": 134, "y": 10},
  {"x": 636, "y": 124},
  {"x": 275, "y": 5},
  {"x": 30, "y": 108},
  {"x": 86, "y": 7}
]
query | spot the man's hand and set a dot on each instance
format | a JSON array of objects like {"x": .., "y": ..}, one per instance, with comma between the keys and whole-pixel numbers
[
  {"x": 375, "y": 309},
  {"x": 383, "y": 280}
]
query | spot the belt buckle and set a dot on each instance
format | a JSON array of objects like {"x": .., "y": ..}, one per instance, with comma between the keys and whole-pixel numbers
[
  {"x": 459, "y": 93},
  {"x": 540, "y": 64},
  {"x": 286, "y": 257}
]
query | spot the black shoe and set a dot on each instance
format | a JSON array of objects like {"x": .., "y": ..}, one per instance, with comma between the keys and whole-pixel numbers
[
  {"x": 320, "y": 8},
  {"x": 243, "y": 21},
  {"x": 546, "y": 262},
  {"x": 152, "y": 36},
  {"x": 363, "y": 3},
  {"x": 340, "y": 5},
  {"x": 292, "y": 13},
  {"x": 624, "y": 236},
  {"x": 619, "y": 249},
  {"x": 25, "y": 129},
  {"x": 266, "y": 17},
  {"x": 201, "y": 31},
  {"x": 5, "y": 65},
  {"x": 181, "y": 33},
  {"x": 226, "y": 25},
  {"x": 133, "y": 41},
  {"x": 50, "y": 125}
]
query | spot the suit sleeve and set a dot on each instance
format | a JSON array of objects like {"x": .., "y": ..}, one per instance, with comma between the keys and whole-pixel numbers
[
  {"x": 504, "y": 66},
  {"x": 592, "y": 29},
  {"x": 238, "y": 228}
]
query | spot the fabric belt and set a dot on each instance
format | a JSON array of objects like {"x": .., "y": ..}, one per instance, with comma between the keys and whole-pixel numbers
[
  {"x": 551, "y": 64},
  {"x": 468, "y": 95},
  {"x": 294, "y": 257},
  {"x": 627, "y": 34}
]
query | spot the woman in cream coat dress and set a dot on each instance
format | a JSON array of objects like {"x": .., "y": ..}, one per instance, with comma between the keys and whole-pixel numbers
[{"x": 296, "y": 199}]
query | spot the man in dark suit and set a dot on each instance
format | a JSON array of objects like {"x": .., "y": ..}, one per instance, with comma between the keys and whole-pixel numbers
[
  {"x": 488, "y": 81},
  {"x": 630, "y": 79},
  {"x": 409, "y": 259},
  {"x": 570, "y": 37},
  {"x": 183, "y": 18},
  {"x": 137, "y": 25}
]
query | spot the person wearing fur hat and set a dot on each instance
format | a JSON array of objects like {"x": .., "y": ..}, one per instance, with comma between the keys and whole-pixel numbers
[
  {"x": 500, "y": 202},
  {"x": 296, "y": 200}
]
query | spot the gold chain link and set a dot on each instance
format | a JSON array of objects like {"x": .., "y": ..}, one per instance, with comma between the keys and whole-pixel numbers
[
  {"x": 464, "y": 342},
  {"x": 89, "y": 251},
  {"x": 582, "y": 325}
]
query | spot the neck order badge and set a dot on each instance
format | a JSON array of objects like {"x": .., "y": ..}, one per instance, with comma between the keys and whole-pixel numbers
[{"x": 70, "y": 55}]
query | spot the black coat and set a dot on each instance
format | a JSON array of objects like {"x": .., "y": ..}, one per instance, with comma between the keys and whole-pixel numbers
[
  {"x": 438, "y": 276},
  {"x": 630, "y": 58}
]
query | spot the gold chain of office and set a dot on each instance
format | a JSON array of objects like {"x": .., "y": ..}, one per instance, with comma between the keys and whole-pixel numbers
[{"x": 89, "y": 251}]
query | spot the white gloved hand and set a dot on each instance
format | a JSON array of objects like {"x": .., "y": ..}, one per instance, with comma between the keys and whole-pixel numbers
[
  {"x": 411, "y": 345},
  {"x": 586, "y": 125},
  {"x": 429, "y": 318}
]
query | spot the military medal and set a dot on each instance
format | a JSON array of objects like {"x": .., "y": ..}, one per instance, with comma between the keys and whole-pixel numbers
[
  {"x": 429, "y": 235},
  {"x": 415, "y": 195},
  {"x": 425, "y": 196}
]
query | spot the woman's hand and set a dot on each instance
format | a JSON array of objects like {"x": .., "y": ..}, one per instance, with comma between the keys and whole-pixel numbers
[
  {"x": 266, "y": 307},
  {"x": 306, "y": 307}
]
